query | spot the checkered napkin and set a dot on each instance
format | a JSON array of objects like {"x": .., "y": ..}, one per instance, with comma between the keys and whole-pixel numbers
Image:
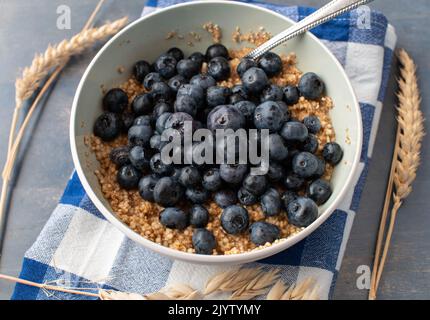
[{"x": 79, "y": 248}]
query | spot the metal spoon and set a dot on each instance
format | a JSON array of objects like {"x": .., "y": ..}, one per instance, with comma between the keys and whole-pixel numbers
[{"x": 324, "y": 14}]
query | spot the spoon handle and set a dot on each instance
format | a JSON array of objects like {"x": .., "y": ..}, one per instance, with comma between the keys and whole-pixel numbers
[{"x": 324, "y": 14}]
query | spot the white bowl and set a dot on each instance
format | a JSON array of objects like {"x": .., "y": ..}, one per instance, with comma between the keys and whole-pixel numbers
[{"x": 145, "y": 39}]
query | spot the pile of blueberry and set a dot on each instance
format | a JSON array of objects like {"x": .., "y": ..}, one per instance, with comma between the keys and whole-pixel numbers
[{"x": 177, "y": 91}]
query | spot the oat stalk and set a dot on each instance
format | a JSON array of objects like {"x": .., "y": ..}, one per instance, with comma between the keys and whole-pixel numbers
[{"x": 406, "y": 160}]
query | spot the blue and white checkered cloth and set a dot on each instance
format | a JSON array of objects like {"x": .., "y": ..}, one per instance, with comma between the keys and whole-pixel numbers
[{"x": 79, "y": 248}]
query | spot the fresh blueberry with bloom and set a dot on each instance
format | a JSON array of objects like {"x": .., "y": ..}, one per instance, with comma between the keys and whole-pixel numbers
[
  {"x": 264, "y": 232},
  {"x": 174, "y": 218},
  {"x": 302, "y": 211},
  {"x": 115, "y": 100},
  {"x": 128, "y": 177},
  {"x": 199, "y": 216},
  {"x": 234, "y": 219},
  {"x": 204, "y": 241},
  {"x": 311, "y": 86},
  {"x": 107, "y": 126}
]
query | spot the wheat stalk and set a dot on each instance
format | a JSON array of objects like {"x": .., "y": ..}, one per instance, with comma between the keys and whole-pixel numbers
[
  {"x": 406, "y": 159},
  {"x": 305, "y": 290},
  {"x": 55, "y": 57}
]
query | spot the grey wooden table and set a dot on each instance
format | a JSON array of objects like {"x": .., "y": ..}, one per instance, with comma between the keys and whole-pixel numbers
[{"x": 27, "y": 27}]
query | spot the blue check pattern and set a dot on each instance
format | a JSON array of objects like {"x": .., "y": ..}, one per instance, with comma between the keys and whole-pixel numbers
[{"x": 80, "y": 249}]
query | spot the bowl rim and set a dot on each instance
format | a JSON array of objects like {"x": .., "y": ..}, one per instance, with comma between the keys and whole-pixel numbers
[{"x": 254, "y": 255}]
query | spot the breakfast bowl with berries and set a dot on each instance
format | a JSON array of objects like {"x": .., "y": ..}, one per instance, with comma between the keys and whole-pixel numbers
[{"x": 201, "y": 154}]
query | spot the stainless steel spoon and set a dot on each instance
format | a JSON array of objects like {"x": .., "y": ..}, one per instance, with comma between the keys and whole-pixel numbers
[{"x": 324, "y": 14}]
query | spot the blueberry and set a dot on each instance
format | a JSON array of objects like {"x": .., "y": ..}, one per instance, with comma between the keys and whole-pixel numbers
[
  {"x": 161, "y": 122},
  {"x": 139, "y": 135},
  {"x": 238, "y": 93},
  {"x": 176, "y": 82},
  {"x": 197, "y": 194},
  {"x": 194, "y": 91},
  {"x": 276, "y": 172},
  {"x": 233, "y": 173},
  {"x": 158, "y": 166},
  {"x": 203, "y": 241},
  {"x": 161, "y": 91},
  {"x": 302, "y": 212},
  {"x": 234, "y": 219},
  {"x": 311, "y": 86},
  {"x": 271, "y": 93},
  {"x": 293, "y": 182},
  {"x": 241, "y": 91},
  {"x": 174, "y": 218},
  {"x": 212, "y": 179},
  {"x": 187, "y": 68},
  {"x": 269, "y": 115},
  {"x": 244, "y": 65},
  {"x": 127, "y": 120},
  {"x": 167, "y": 192},
  {"x": 254, "y": 80},
  {"x": 291, "y": 95},
  {"x": 235, "y": 98},
  {"x": 142, "y": 104},
  {"x": 175, "y": 174},
  {"x": 177, "y": 121},
  {"x": 312, "y": 123},
  {"x": 150, "y": 79},
  {"x": 225, "y": 117},
  {"x": 271, "y": 63},
  {"x": 287, "y": 197},
  {"x": 128, "y": 177},
  {"x": 145, "y": 120},
  {"x": 176, "y": 53},
  {"x": 305, "y": 164},
  {"x": 190, "y": 176},
  {"x": 146, "y": 187},
  {"x": 165, "y": 65},
  {"x": 115, "y": 100},
  {"x": 246, "y": 198},
  {"x": 219, "y": 68},
  {"x": 285, "y": 110},
  {"x": 294, "y": 131},
  {"x": 264, "y": 232},
  {"x": 271, "y": 202},
  {"x": 321, "y": 169},
  {"x": 199, "y": 216},
  {"x": 198, "y": 57},
  {"x": 256, "y": 184},
  {"x": 107, "y": 126},
  {"x": 119, "y": 155},
  {"x": 161, "y": 108},
  {"x": 186, "y": 104},
  {"x": 203, "y": 80},
  {"x": 319, "y": 191},
  {"x": 138, "y": 158},
  {"x": 277, "y": 148},
  {"x": 247, "y": 108},
  {"x": 332, "y": 153},
  {"x": 216, "y": 96},
  {"x": 141, "y": 69},
  {"x": 225, "y": 198},
  {"x": 310, "y": 144},
  {"x": 216, "y": 50}
]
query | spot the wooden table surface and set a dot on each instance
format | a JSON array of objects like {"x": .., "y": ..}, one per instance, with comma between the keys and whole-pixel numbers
[{"x": 27, "y": 27}]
